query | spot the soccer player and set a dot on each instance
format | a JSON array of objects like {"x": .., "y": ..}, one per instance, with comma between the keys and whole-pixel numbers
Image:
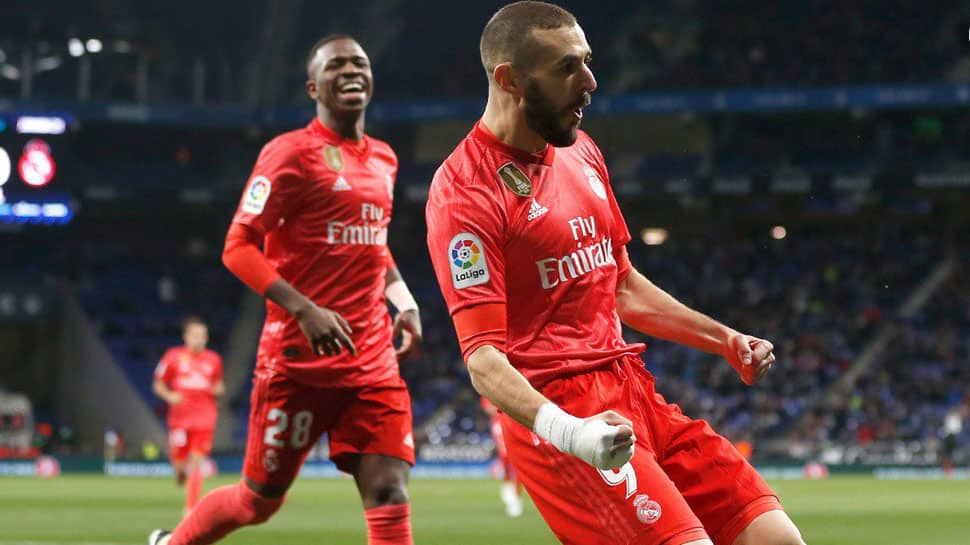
[
  {"x": 952, "y": 428},
  {"x": 511, "y": 493},
  {"x": 319, "y": 201},
  {"x": 528, "y": 245},
  {"x": 189, "y": 379}
]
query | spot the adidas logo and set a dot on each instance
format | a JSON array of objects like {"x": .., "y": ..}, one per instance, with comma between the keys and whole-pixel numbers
[
  {"x": 536, "y": 210},
  {"x": 341, "y": 184}
]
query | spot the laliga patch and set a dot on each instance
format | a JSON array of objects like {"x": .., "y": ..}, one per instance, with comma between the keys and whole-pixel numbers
[
  {"x": 256, "y": 195},
  {"x": 514, "y": 179},
  {"x": 467, "y": 257},
  {"x": 331, "y": 154}
]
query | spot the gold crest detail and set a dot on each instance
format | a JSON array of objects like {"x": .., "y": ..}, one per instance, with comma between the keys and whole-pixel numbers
[
  {"x": 333, "y": 158},
  {"x": 515, "y": 179}
]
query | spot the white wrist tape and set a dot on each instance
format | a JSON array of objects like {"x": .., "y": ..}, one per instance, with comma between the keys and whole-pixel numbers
[
  {"x": 557, "y": 426},
  {"x": 399, "y": 296},
  {"x": 590, "y": 441}
]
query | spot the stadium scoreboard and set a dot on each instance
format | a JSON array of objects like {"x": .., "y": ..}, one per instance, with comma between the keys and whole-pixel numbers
[{"x": 31, "y": 147}]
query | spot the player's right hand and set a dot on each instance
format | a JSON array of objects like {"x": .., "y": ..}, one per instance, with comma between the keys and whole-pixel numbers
[
  {"x": 606, "y": 440},
  {"x": 174, "y": 398},
  {"x": 327, "y": 332}
]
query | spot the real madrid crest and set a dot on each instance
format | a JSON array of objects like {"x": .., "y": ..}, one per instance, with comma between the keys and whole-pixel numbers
[
  {"x": 332, "y": 155},
  {"x": 595, "y": 183},
  {"x": 648, "y": 511},
  {"x": 515, "y": 179}
]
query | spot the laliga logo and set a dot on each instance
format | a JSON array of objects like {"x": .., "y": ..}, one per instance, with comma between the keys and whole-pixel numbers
[
  {"x": 258, "y": 189},
  {"x": 469, "y": 267},
  {"x": 465, "y": 254}
]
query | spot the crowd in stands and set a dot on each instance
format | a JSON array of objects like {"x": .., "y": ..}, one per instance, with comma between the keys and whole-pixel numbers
[
  {"x": 821, "y": 294},
  {"x": 902, "y": 401},
  {"x": 816, "y": 42},
  {"x": 821, "y": 297},
  {"x": 432, "y": 52}
]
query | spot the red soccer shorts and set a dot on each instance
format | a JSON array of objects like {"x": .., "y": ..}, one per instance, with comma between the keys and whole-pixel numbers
[
  {"x": 287, "y": 418},
  {"x": 182, "y": 442},
  {"x": 684, "y": 482}
]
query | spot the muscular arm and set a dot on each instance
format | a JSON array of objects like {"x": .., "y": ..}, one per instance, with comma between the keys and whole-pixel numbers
[
  {"x": 244, "y": 259},
  {"x": 288, "y": 298},
  {"x": 407, "y": 323},
  {"x": 604, "y": 440},
  {"x": 325, "y": 330},
  {"x": 649, "y": 309},
  {"x": 494, "y": 377}
]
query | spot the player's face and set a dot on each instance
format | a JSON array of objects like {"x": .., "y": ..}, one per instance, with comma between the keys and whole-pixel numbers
[
  {"x": 196, "y": 336},
  {"x": 558, "y": 86},
  {"x": 341, "y": 78}
]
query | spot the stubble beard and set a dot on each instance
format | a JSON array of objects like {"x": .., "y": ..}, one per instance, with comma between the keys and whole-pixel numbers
[{"x": 543, "y": 117}]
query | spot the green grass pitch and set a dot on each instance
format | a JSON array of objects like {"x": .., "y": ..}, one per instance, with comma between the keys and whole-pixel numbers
[{"x": 76, "y": 510}]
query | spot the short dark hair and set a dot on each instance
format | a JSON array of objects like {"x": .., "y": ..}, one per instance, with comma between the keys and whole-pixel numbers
[
  {"x": 322, "y": 42},
  {"x": 189, "y": 321},
  {"x": 511, "y": 28}
]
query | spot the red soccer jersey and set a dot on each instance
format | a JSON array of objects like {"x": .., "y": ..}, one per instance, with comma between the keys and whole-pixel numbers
[
  {"x": 541, "y": 233},
  {"x": 323, "y": 204},
  {"x": 193, "y": 376}
]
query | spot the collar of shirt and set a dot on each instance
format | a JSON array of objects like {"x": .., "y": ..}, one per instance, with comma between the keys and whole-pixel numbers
[
  {"x": 357, "y": 147},
  {"x": 482, "y": 134}
]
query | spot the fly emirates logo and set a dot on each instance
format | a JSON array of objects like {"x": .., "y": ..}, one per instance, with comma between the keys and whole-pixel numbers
[
  {"x": 587, "y": 258},
  {"x": 365, "y": 232}
]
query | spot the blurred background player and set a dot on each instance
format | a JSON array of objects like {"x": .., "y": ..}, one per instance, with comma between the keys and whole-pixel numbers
[
  {"x": 529, "y": 248},
  {"x": 952, "y": 428},
  {"x": 189, "y": 379},
  {"x": 511, "y": 493},
  {"x": 319, "y": 202}
]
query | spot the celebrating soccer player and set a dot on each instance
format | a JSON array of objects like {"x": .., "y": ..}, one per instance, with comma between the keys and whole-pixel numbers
[
  {"x": 528, "y": 245},
  {"x": 189, "y": 379},
  {"x": 319, "y": 202}
]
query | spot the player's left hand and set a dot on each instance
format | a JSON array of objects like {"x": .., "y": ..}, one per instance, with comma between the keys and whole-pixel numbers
[
  {"x": 408, "y": 325},
  {"x": 750, "y": 356}
]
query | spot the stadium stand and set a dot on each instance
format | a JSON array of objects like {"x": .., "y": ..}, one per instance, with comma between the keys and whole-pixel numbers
[{"x": 848, "y": 264}]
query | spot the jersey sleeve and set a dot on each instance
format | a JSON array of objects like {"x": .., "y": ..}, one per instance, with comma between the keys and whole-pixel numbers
[
  {"x": 164, "y": 369},
  {"x": 392, "y": 176},
  {"x": 273, "y": 190},
  {"x": 217, "y": 375},
  {"x": 244, "y": 259},
  {"x": 466, "y": 235},
  {"x": 387, "y": 163}
]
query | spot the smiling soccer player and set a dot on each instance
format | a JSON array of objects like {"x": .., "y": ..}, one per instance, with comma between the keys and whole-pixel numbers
[{"x": 319, "y": 202}]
